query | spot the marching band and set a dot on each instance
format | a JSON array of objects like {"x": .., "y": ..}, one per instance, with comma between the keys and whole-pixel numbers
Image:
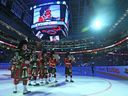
[{"x": 28, "y": 66}]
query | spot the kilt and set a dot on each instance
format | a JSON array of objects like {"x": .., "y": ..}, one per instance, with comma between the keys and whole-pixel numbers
[
  {"x": 25, "y": 71},
  {"x": 52, "y": 70},
  {"x": 16, "y": 73},
  {"x": 68, "y": 70}
]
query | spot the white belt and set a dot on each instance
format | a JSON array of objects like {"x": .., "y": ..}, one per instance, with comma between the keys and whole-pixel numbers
[
  {"x": 27, "y": 62},
  {"x": 68, "y": 63}
]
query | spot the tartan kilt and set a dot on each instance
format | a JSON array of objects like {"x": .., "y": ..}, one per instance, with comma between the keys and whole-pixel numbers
[
  {"x": 41, "y": 71},
  {"x": 16, "y": 73},
  {"x": 52, "y": 70},
  {"x": 34, "y": 71},
  {"x": 68, "y": 70},
  {"x": 25, "y": 71},
  {"x": 45, "y": 70}
]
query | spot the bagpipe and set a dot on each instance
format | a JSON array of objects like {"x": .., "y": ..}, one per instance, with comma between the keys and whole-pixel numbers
[
  {"x": 56, "y": 56},
  {"x": 72, "y": 58}
]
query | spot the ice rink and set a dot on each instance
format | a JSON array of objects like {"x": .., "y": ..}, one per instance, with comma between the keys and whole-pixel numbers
[{"x": 83, "y": 86}]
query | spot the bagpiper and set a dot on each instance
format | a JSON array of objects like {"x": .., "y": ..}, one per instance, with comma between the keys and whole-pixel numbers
[
  {"x": 34, "y": 68},
  {"x": 21, "y": 66},
  {"x": 52, "y": 65},
  {"x": 45, "y": 66},
  {"x": 68, "y": 60},
  {"x": 16, "y": 62}
]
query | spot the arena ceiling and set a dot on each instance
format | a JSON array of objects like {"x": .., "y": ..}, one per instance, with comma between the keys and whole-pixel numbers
[{"x": 83, "y": 12}]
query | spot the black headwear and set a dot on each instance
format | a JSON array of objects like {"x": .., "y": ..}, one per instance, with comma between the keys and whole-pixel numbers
[
  {"x": 44, "y": 51},
  {"x": 67, "y": 54},
  {"x": 51, "y": 53},
  {"x": 22, "y": 43}
]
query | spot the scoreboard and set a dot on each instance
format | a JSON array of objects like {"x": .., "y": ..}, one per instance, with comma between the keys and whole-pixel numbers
[{"x": 50, "y": 19}]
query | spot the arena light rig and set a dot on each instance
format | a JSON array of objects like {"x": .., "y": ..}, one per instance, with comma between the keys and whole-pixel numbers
[{"x": 97, "y": 24}]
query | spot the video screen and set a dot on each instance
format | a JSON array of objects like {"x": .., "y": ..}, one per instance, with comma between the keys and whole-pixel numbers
[
  {"x": 39, "y": 34},
  {"x": 54, "y": 38},
  {"x": 46, "y": 13},
  {"x": 3, "y": 2},
  {"x": 66, "y": 17}
]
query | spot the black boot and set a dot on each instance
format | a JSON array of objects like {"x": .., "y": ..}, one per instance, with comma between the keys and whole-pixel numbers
[
  {"x": 67, "y": 80},
  {"x": 71, "y": 81},
  {"x": 29, "y": 84},
  {"x": 36, "y": 84},
  {"x": 14, "y": 91},
  {"x": 26, "y": 92}
]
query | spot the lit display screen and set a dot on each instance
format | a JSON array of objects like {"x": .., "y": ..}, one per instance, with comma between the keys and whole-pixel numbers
[
  {"x": 66, "y": 17},
  {"x": 46, "y": 13},
  {"x": 54, "y": 38}
]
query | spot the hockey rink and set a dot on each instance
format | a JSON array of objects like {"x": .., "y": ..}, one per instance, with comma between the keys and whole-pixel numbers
[{"x": 83, "y": 86}]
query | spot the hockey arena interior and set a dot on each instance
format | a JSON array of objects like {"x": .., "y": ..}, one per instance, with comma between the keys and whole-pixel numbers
[{"x": 63, "y": 47}]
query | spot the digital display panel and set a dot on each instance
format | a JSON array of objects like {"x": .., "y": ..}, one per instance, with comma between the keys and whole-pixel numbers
[
  {"x": 54, "y": 38},
  {"x": 39, "y": 34},
  {"x": 50, "y": 21},
  {"x": 16, "y": 9},
  {"x": 46, "y": 13},
  {"x": 66, "y": 17},
  {"x": 4, "y": 2}
]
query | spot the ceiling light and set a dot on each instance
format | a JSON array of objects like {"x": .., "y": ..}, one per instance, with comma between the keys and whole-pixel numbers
[{"x": 58, "y": 2}]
